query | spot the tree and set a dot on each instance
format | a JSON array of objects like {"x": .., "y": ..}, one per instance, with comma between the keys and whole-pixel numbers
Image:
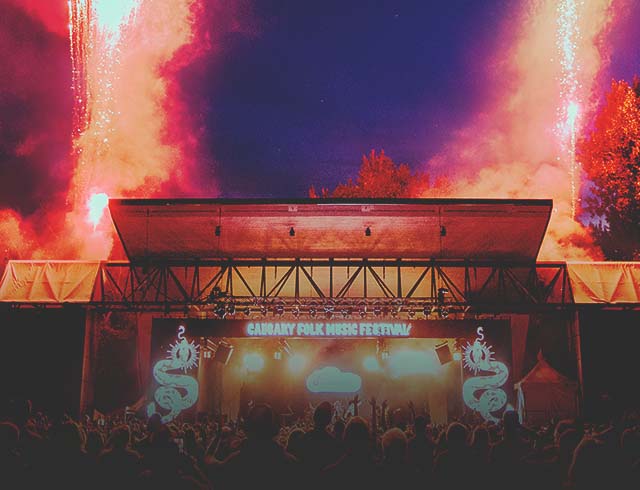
[
  {"x": 610, "y": 155},
  {"x": 380, "y": 177}
]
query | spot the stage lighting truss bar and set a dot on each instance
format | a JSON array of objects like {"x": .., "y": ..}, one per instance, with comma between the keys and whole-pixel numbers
[{"x": 403, "y": 285}]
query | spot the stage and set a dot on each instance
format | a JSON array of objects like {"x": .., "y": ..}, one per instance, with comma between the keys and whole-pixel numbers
[{"x": 363, "y": 287}]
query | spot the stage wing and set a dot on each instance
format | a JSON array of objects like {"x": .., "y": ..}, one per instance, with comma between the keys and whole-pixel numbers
[
  {"x": 48, "y": 281},
  {"x": 605, "y": 282},
  {"x": 456, "y": 229}
]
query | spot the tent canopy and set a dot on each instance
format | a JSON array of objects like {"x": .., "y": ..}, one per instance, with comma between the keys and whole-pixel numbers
[
  {"x": 493, "y": 229},
  {"x": 544, "y": 393},
  {"x": 543, "y": 373}
]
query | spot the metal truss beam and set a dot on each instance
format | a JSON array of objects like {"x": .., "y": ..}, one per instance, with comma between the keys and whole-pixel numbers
[{"x": 348, "y": 286}]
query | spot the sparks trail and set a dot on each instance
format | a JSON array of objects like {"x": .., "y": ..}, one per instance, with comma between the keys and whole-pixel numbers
[{"x": 567, "y": 40}]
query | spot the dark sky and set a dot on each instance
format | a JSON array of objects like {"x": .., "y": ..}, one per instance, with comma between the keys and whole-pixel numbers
[
  {"x": 321, "y": 83},
  {"x": 291, "y": 97}
]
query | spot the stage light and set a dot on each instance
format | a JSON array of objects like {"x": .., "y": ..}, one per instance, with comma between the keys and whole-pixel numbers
[
  {"x": 312, "y": 311},
  {"x": 231, "y": 309},
  {"x": 346, "y": 311},
  {"x": 263, "y": 310},
  {"x": 443, "y": 312},
  {"x": 295, "y": 311},
  {"x": 442, "y": 292},
  {"x": 371, "y": 363},
  {"x": 253, "y": 362},
  {"x": 457, "y": 356},
  {"x": 377, "y": 310},
  {"x": 220, "y": 310},
  {"x": 426, "y": 310},
  {"x": 223, "y": 353},
  {"x": 297, "y": 363},
  {"x": 247, "y": 311},
  {"x": 443, "y": 351},
  {"x": 216, "y": 293},
  {"x": 329, "y": 308},
  {"x": 278, "y": 310},
  {"x": 411, "y": 313}
]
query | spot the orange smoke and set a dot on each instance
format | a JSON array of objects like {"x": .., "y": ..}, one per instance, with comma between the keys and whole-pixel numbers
[{"x": 521, "y": 146}]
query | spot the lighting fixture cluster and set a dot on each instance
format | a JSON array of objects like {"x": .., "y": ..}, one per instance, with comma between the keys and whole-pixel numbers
[{"x": 223, "y": 306}]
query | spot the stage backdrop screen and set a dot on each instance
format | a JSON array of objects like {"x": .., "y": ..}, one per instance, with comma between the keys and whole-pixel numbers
[{"x": 445, "y": 367}]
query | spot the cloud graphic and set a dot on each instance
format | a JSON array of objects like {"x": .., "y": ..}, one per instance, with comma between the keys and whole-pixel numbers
[{"x": 331, "y": 380}]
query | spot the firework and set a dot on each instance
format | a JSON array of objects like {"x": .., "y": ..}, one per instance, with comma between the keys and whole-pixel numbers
[
  {"x": 567, "y": 39},
  {"x": 120, "y": 116}
]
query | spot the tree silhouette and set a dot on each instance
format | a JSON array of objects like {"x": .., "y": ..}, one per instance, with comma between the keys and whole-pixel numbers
[
  {"x": 610, "y": 155},
  {"x": 380, "y": 177}
]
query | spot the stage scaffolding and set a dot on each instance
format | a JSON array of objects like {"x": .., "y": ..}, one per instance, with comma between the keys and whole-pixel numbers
[{"x": 347, "y": 287}]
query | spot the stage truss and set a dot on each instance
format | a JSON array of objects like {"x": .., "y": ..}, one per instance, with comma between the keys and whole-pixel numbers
[{"x": 342, "y": 287}]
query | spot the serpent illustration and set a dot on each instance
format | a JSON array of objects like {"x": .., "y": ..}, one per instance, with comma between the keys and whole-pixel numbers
[
  {"x": 169, "y": 395},
  {"x": 478, "y": 357}
]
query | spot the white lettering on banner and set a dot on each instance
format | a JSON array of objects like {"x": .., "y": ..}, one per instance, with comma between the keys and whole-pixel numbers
[{"x": 321, "y": 329}]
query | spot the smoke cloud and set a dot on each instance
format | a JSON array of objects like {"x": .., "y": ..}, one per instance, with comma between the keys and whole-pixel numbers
[{"x": 513, "y": 148}]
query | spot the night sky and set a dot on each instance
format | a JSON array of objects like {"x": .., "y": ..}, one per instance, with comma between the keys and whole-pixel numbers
[
  {"x": 291, "y": 95},
  {"x": 324, "y": 82}
]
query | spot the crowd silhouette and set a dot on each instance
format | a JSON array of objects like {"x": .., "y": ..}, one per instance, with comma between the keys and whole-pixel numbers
[{"x": 319, "y": 451}]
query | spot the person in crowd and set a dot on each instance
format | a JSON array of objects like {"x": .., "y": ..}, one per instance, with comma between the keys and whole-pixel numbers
[
  {"x": 394, "y": 468},
  {"x": 421, "y": 447},
  {"x": 318, "y": 446},
  {"x": 260, "y": 461},
  {"x": 94, "y": 444},
  {"x": 118, "y": 464},
  {"x": 357, "y": 464},
  {"x": 66, "y": 465},
  {"x": 12, "y": 466},
  {"x": 294, "y": 442},
  {"x": 165, "y": 467},
  {"x": 506, "y": 456},
  {"x": 458, "y": 455}
]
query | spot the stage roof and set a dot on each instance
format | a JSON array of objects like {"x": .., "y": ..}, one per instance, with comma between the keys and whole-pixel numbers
[{"x": 457, "y": 229}]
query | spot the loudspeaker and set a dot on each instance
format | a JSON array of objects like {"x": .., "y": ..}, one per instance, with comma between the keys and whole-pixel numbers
[
  {"x": 223, "y": 353},
  {"x": 443, "y": 352}
]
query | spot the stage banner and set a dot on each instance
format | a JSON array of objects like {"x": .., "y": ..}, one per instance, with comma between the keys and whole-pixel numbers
[{"x": 327, "y": 329}]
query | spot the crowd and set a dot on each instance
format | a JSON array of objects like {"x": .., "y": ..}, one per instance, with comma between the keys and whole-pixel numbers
[{"x": 322, "y": 451}]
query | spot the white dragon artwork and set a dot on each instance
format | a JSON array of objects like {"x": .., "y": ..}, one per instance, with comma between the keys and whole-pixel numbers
[
  {"x": 479, "y": 357},
  {"x": 169, "y": 395}
]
